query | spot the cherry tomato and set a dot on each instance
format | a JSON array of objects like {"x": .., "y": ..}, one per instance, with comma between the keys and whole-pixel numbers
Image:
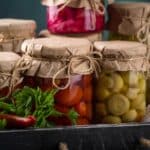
[
  {"x": 81, "y": 109},
  {"x": 62, "y": 109},
  {"x": 70, "y": 96},
  {"x": 87, "y": 80},
  {"x": 87, "y": 93},
  {"x": 89, "y": 111}
]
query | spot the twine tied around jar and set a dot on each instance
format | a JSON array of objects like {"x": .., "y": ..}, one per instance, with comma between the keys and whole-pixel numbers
[
  {"x": 122, "y": 61},
  {"x": 93, "y": 4},
  {"x": 93, "y": 67},
  {"x": 22, "y": 65}
]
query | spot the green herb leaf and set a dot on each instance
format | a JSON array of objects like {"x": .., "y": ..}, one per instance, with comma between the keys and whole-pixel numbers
[{"x": 73, "y": 116}]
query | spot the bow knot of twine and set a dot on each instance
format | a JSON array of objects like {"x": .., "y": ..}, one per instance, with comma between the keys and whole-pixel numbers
[
  {"x": 22, "y": 65},
  {"x": 93, "y": 67}
]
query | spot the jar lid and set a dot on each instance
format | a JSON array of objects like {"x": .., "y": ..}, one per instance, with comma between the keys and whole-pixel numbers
[
  {"x": 16, "y": 28},
  {"x": 56, "y": 47},
  {"x": 12, "y": 67},
  {"x": 59, "y": 57},
  {"x": 122, "y": 55},
  {"x": 8, "y": 61},
  {"x": 89, "y": 4},
  {"x": 128, "y": 18},
  {"x": 90, "y": 36}
]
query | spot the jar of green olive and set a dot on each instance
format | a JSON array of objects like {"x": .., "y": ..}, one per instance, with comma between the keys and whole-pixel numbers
[
  {"x": 120, "y": 89},
  {"x": 127, "y": 21}
]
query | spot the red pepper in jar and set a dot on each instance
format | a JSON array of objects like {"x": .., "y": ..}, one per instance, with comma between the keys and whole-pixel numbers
[{"x": 14, "y": 121}]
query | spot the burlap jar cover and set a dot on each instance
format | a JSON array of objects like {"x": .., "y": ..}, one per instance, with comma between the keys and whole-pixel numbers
[
  {"x": 59, "y": 58},
  {"x": 123, "y": 56},
  {"x": 11, "y": 68},
  {"x": 89, "y": 4},
  {"x": 130, "y": 19},
  {"x": 91, "y": 37},
  {"x": 13, "y": 32}
]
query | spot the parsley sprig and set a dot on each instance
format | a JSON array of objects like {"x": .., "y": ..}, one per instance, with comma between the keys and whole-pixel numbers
[{"x": 29, "y": 101}]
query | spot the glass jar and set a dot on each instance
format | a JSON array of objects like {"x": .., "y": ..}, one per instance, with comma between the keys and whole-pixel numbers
[
  {"x": 74, "y": 89},
  {"x": 13, "y": 32},
  {"x": 126, "y": 20},
  {"x": 74, "y": 17},
  {"x": 7, "y": 64},
  {"x": 120, "y": 91}
]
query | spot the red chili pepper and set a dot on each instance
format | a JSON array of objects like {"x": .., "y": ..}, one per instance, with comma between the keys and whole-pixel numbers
[{"x": 14, "y": 121}]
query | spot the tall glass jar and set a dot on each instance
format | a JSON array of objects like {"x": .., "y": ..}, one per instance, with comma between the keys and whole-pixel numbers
[
  {"x": 8, "y": 61},
  {"x": 120, "y": 90},
  {"x": 62, "y": 63},
  {"x": 13, "y": 32},
  {"x": 76, "y": 16},
  {"x": 127, "y": 20}
]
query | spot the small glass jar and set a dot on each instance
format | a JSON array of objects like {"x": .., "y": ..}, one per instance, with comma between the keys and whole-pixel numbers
[
  {"x": 74, "y": 17},
  {"x": 13, "y": 32},
  {"x": 126, "y": 20},
  {"x": 74, "y": 89},
  {"x": 8, "y": 61},
  {"x": 120, "y": 91}
]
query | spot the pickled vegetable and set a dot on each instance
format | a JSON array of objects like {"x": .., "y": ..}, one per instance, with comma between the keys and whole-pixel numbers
[
  {"x": 118, "y": 104},
  {"x": 77, "y": 96},
  {"x": 120, "y": 97},
  {"x": 112, "y": 120},
  {"x": 130, "y": 116},
  {"x": 73, "y": 20}
]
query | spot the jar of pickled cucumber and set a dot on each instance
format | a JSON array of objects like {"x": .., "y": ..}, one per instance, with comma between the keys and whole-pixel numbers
[
  {"x": 8, "y": 73},
  {"x": 62, "y": 63},
  {"x": 74, "y": 16},
  {"x": 13, "y": 32},
  {"x": 120, "y": 90},
  {"x": 128, "y": 21}
]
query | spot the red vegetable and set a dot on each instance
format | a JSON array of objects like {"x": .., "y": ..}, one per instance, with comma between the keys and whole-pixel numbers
[
  {"x": 70, "y": 96},
  {"x": 73, "y": 20},
  {"x": 81, "y": 108},
  {"x": 14, "y": 121}
]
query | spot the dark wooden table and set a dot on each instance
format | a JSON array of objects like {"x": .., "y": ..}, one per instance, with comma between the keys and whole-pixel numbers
[{"x": 101, "y": 137}]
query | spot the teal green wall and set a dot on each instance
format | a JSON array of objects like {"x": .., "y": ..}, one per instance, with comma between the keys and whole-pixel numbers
[{"x": 28, "y": 9}]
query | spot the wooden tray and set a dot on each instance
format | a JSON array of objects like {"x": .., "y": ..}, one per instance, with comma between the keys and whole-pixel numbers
[{"x": 100, "y": 137}]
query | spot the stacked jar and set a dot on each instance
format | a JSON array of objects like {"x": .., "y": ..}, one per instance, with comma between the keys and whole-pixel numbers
[
  {"x": 11, "y": 69},
  {"x": 128, "y": 21},
  {"x": 13, "y": 32},
  {"x": 64, "y": 64},
  {"x": 77, "y": 18},
  {"x": 120, "y": 89}
]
